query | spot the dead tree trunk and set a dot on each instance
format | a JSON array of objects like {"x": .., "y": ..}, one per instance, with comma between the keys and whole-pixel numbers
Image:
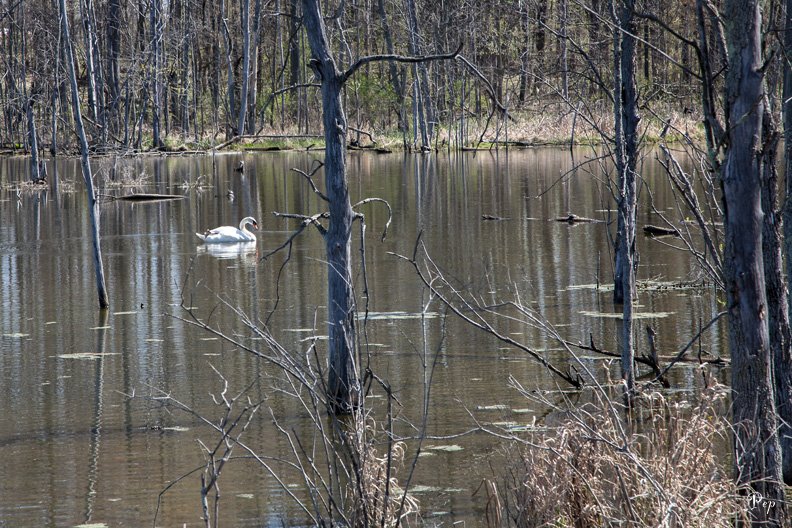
[
  {"x": 627, "y": 118},
  {"x": 156, "y": 8},
  {"x": 104, "y": 301},
  {"x": 343, "y": 380},
  {"x": 776, "y": 292},
  {"x": 757, "y": 450},
  {"x": 785, "y": 407},
  {"x": 396, "y": 75},
  {"x": 113, "y": 78},
  {"x": 35, "y": 164},
  {"x": 244, "y": 6}
]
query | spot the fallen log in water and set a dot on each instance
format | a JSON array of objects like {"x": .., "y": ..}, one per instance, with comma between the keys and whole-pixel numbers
[
  {"x": 575, "y": 219},
  {"x": 659, "y": 231},
  {"x": 144, "y": 197}
]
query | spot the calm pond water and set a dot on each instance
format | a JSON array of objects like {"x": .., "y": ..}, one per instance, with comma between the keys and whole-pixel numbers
[{"x": 76, "y": 449}]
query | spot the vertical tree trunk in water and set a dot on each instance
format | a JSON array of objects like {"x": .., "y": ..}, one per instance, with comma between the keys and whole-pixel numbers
[
  {"x": 104, "y": 301},
  {"x": 626, "y": 106},
  {"x": 343, "y": 380},
  {"x": 757, "y": 450},
  {"x": 35, "y": 165}
]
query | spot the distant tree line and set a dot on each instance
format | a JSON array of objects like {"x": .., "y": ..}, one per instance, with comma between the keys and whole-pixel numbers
[{"x": 209, "y": 70}]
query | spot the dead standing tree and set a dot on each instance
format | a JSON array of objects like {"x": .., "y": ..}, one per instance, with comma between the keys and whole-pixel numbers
[
  {"x": 343, "y": 382},
  {"x": 104, "y": 301},
  {"x": 757, "y": 449}
]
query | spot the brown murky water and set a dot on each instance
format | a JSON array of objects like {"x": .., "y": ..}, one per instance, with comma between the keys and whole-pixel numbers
[{"x": 75, "y": 449}]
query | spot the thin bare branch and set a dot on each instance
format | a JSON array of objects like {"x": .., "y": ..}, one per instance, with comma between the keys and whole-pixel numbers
[{"x": 399, "y": 58}]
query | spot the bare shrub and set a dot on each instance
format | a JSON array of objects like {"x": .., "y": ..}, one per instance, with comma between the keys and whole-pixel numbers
[
  {"x": 653, "y": 466},
  {"x": 345, "y": 464}
]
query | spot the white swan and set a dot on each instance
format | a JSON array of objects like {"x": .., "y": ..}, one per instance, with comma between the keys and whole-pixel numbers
[{"x": 226, "y": 234}]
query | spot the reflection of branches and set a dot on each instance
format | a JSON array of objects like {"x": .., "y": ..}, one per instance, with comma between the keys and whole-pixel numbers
[
  {"x": 461, "y": 305},
  {"x": 345, "y": 479},
  {"x": 231, "y": 420},
  {"x": 710, "y": 259}
]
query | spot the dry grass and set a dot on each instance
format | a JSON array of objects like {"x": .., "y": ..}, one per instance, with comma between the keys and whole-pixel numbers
[
  {"x": 659, "y": 468},
  {"x": 377, "y": 497},
  {"x": 559, "y": 124}
]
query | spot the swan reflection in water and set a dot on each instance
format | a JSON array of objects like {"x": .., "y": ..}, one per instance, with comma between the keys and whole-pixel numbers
[{"x": 245, "y": 251}]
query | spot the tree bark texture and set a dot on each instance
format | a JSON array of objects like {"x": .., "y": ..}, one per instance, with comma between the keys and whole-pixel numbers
[
  {"x": 757, "y": 450},
  {"x": 343, "y": 379},
  {"x": 626, "y": 164},
  {"x": 785, "y": 408},
  {"x": 776, "y": 292}
]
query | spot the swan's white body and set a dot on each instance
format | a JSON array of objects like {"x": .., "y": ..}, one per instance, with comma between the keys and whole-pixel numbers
[{"x": 228, "y": 234}]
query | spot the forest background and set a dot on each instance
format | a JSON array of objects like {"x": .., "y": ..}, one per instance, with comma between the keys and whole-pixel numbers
[
  {"x": 158, "y": 76},
  {"x": 193, "y": 74}
]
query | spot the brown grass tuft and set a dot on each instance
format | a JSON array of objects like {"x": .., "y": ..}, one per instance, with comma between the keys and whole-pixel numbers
[
  {"x": 658, "y": 467},
  {"x": 378, "y": 500}
]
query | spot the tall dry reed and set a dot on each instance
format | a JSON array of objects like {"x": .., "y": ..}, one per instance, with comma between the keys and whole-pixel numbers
[{"x": 662, "y": 464}]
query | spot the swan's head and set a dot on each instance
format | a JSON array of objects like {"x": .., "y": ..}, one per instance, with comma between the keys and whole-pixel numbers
[{"x": 248, "y": 220}]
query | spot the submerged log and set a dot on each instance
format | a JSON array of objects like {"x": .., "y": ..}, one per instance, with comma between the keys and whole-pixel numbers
[
  {"x": 660, "y": 231},
  {"x": 143, "y": 197},
  {"x": 575, "y": 219}
]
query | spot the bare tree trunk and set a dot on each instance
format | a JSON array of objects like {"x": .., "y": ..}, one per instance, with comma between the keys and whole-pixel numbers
[
  {"x": 525, "y": 55},
  {"x": 35, "y": 164},
  {"x": 231, "y": 103},
  {"x": 254, "y": 70},
  {"x": 421, "y": 106},
  {"x": 113, "y": 77},
  {"x": 785, "y": 407},
  {"x": 156, "y": 8},
  {"x": 626, "y": 258},
  {"x": 775, "y": 290},
  {"x": 757, "y": 450},
  {"x": 343, "y": 377},
  {"x": 244, "y": 6},
  {"x": 104, "y": 301},
  {"x": 88, "y": 31},
  {"x": 396, "y": 74},
  {"x": 294, "y": 58},
  {"x": 563, "y": 39}
]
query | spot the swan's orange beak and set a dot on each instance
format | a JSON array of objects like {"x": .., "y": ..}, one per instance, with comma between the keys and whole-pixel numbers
[{"x": 255, "y": 225}]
